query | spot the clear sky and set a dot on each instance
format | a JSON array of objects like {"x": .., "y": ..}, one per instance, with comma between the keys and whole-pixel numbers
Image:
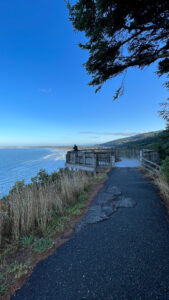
[{"x": 44, "y": 96}]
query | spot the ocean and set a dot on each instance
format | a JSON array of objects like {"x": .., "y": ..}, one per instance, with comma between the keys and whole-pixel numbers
[{"x": 18, "y": 164}]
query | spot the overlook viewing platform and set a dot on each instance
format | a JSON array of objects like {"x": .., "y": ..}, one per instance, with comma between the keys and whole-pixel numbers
[
  {"x": 97, "y": 160},
  {"x": 90, "y": 159}
]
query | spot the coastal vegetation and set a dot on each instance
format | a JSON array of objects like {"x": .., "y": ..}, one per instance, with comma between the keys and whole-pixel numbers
[
  {"x": 165, "y": 168},
  {"x": 34, "y": 216},
  {"x": 161, "y": 180},
  {"x": 30, "y": 207}
]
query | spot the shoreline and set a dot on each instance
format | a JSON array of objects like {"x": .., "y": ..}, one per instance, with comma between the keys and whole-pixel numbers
[{"x": 23, "y": 165}]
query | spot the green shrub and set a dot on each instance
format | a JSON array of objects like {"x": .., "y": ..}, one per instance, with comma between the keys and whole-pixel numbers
[
  {"x": 82, "y": 197},
  {"x": 165, "y": 168},
  {"x": 26, "y": 241},
  {"x": 42, "y": 244},
  {"x": 55, "y": 225},
  {"x": 42, "y": 177},
  {"x": 18, "y": 187}
]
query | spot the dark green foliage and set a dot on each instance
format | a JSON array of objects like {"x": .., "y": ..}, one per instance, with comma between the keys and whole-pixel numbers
[
  {"x": 122, "y": 34},
  {"x": 42, "y": 177},
  {"x": 165, "y": 111},
  {"x": 26, "y": 241},
  {"x": 163, "y": 66},
  {"x": 18, "y": 186},
  {"x": 165, "y": 167}
]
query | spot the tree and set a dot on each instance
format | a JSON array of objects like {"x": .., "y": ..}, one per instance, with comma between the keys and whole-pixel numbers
[
  {"x": 122, "y": 34},
  {"x": 165, "y": 113}
]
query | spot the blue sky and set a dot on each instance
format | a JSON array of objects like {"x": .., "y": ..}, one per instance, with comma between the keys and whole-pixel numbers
[{"x": 44, "y": 96}]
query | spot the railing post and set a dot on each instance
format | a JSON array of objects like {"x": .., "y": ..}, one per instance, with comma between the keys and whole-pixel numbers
[
  {"x": 141, "y": 156},
  {"x": 112, "y": 161},
  {"x": 95, "y": 160}
]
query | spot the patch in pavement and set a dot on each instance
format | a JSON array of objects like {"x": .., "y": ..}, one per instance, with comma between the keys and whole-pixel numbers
[{"x": 103, "y": 206}]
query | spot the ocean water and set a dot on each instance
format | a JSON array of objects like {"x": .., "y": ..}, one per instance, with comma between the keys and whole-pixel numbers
[{"x": 18, "y": 164}]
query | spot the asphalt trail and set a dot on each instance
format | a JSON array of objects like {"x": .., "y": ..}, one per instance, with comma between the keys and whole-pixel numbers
[{"x": 123, "y": 257}]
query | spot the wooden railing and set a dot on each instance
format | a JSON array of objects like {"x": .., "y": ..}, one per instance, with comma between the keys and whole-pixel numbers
[
  {"x": 96, "y": 160},
  {"x": 150, "y": 160},
  {"x": 89, "y": 160}
]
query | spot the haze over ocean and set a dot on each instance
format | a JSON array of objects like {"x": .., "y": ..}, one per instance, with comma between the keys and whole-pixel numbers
[{"x": 19, "y": 164}]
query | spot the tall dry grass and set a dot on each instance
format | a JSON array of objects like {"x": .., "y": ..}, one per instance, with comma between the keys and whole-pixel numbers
[
  {"x": 32, "y": 206},
  {"x": 162, "y": 183}
]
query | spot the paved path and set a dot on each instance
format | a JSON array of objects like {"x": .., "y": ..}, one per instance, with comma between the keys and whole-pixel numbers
[{"x": 123, "y": 257}]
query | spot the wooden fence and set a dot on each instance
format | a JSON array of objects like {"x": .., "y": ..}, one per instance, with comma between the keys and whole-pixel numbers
[
  {"x": 150, "y": 160},
  {"x": 90, "y": 160}
]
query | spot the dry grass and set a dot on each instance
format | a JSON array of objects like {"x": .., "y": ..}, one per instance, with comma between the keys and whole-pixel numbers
[
  {"x": 163, "y": 185},
  {"x": 31, "y": 207},
  {"x": 18, "y": 257}
]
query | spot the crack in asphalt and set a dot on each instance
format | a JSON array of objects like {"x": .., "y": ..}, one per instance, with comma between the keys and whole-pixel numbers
[{"x": 104, "y": 205}]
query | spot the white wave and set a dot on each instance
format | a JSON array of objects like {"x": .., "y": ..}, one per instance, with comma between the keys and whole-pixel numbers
[
  {"x": 12, "y": 169},
  {"x": 47, "y": 156},
  {"x": 55, "y": 155}
]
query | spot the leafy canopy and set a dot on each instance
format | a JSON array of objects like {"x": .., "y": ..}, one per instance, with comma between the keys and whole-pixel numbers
[
  {"x": 165, "y": 113},
  {"x": 122, "y": 34}
]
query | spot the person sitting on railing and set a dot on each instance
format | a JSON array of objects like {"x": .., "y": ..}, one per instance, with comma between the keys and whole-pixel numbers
[{"x": 75, "y": 148}]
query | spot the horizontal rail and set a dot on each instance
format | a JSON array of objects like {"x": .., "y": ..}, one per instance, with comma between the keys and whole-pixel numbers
[
  {"x": 89, "y": 160},
  {"x": 151, "y": 162},
  {"x": 150, "y": 165}
]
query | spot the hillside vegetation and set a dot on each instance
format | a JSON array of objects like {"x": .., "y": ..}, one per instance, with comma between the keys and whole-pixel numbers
[{"x": 157, "y": 140}]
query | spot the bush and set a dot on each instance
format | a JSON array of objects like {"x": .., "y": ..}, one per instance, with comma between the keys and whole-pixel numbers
[
  {"x": 165, "y": 168},
  {"x": 26, "y": 241},
  {"x": 42, "y": 244}
]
